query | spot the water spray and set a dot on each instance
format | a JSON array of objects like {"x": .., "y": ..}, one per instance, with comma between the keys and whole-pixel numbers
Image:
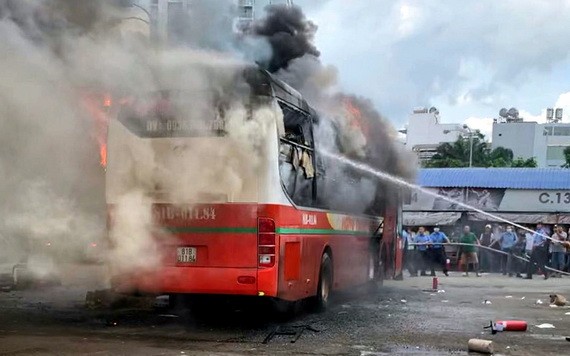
[{"x": 393, "y": 179}]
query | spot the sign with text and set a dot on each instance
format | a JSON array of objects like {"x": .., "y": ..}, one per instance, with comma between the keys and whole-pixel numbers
[{"x": 499, "y": 200}]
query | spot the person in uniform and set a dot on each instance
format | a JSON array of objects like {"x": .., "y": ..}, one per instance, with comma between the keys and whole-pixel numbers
[
  {"x": 423, "y": 244},
  {"x": 438, "y": 250},
  {"x": 539, "y": 254}
]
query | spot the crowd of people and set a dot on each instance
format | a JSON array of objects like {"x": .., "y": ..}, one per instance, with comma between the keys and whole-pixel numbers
[{"x": 499, "y": 248}]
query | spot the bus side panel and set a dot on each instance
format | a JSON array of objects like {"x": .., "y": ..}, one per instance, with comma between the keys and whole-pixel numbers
[
  {"x": 393, "y": 244},
  {"x": 297, "y": 269},
  {"x": 350, "y": 257},
  {"x": 303, "y": 238},
  {"x": 351, "y": 260}
]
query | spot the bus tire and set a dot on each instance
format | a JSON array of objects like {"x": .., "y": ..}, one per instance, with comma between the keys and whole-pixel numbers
[{"x": 322, "y": 299}]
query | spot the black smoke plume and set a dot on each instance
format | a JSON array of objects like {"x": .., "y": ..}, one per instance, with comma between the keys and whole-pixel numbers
[
  {"x": 358, "y": 130},
  {"x": 289, "y": 33}
]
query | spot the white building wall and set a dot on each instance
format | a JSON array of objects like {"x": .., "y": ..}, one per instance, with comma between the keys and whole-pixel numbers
[
  {"x": 425, "y": 129},
  {"x": 544, "y": 142},
  {"x": 519, "y": 137}
]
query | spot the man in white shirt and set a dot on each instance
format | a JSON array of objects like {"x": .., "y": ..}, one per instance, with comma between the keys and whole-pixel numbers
[
  {"x": 529, "y": 242},
  {"x": 410, "y": 253}
]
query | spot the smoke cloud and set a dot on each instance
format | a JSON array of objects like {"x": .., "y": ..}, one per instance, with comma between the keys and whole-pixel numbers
[
  {"x": 348, "y": 124},
  {"x": 288, "y": 32},
  {"x": 60, "y": 60}
]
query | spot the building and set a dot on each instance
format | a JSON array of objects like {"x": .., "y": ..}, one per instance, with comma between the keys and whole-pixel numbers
[
  {"x": 424, "y": 132},
  {"x": 545, "y": 142},
  {"x": 166, "y": 17},
  {"x": 246, "y": 14},
  {"x": 455, "y": 196}
]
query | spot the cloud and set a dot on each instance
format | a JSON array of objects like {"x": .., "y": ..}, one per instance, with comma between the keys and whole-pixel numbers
[
  {"x": 483, "y": 124},
  {"x": 563, "y": 102},
  {"x": 405, "y": 53}
]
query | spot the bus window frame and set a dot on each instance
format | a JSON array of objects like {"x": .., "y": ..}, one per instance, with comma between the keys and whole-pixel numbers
[{"x": 309, "y": 121}]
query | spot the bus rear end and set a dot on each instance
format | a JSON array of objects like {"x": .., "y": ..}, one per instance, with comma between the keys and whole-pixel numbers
[{"x": 200, "y": 172}]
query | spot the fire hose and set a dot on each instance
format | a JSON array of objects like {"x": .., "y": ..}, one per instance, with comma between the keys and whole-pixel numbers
[{"x": 489, "y": 249}]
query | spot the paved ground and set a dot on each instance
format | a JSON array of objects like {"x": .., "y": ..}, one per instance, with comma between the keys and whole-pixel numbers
[{"x": 401, "y": 319}]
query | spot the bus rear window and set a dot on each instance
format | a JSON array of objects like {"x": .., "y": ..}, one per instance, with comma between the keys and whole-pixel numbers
[{"x": 174, "y": 114}]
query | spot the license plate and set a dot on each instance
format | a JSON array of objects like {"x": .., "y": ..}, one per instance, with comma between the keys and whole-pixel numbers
[{"x": 186, "y": 255}]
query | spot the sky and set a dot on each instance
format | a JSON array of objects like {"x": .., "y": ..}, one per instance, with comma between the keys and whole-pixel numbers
[{"x": 468, "y": 58}]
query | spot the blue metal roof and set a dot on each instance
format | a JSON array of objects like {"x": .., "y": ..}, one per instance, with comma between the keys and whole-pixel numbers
[{"x": 513, "y": 178}]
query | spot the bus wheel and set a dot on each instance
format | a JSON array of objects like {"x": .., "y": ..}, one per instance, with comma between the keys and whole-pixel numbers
[{"x": 325, "y": 283}]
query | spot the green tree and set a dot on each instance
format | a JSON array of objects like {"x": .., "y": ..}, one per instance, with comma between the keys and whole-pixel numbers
[
  {"x": 521, "y": 162},
  {"x": 566, "y": 157},
  {"x": 456, "y": 154}
]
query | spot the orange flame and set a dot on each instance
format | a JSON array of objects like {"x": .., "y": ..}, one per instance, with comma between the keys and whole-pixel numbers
[
  {"x": 355, "y": 116},
  {"x": 98, "y": 107},
  {"x": 103, "y": 154}
]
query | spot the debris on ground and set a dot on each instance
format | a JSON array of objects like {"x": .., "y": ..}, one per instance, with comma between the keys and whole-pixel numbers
[
  {"x": 111, "y": 323},
  {"x": 294, "y": 331},
  {"x": 161, "y": 302},
  {"x": 523, "y": 298},
  {"x": 480, "y": 346},
  {"x": 508, "y": 296},
  {"x": 558, "y": 300},
  {"x": 545, "y": 326},
  {"x": 403, "y": 301},
  {"x": 106, "y": 298},
  {"x": 487, "y": 302},
  {"x": 538, "y": 301}
]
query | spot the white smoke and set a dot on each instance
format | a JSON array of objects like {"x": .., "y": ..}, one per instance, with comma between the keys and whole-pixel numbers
[{"x": 51, "y": 183}]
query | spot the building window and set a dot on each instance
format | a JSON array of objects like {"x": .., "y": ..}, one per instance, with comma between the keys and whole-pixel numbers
[
  {"x": 548, "y": 131},
  {"x": 555, "y": 153},
  {"x": 561, "y": 131}
]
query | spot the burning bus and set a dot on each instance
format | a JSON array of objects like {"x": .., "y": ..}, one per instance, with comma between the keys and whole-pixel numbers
[{"x": 218, "y": 188}]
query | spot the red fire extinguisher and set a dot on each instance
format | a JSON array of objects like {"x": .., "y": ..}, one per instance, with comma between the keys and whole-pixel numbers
[
  {"x": 507, "y": 325},
  {"x": 512, "y": 325},
  {"x": 434, "y": 283}
]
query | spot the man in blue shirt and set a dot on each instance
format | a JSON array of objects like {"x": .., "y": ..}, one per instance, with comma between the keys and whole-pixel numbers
[
  {"x": 438, "y": 250},
  {"x": 507, "y": 241},
  {"x": 539, "y": 254},
  {"x": 423, "y": 243}
]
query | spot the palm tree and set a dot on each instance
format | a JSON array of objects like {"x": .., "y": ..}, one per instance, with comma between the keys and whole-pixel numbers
[
  {"x": 566, "y": 157},
  {"x": 456, "y": 154}
]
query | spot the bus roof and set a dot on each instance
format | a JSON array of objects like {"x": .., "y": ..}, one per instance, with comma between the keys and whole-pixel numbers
[{"x": 279, "y": 88}]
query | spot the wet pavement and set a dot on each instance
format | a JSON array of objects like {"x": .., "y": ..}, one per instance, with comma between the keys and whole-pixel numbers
[{"x": 402, "y": 318}]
